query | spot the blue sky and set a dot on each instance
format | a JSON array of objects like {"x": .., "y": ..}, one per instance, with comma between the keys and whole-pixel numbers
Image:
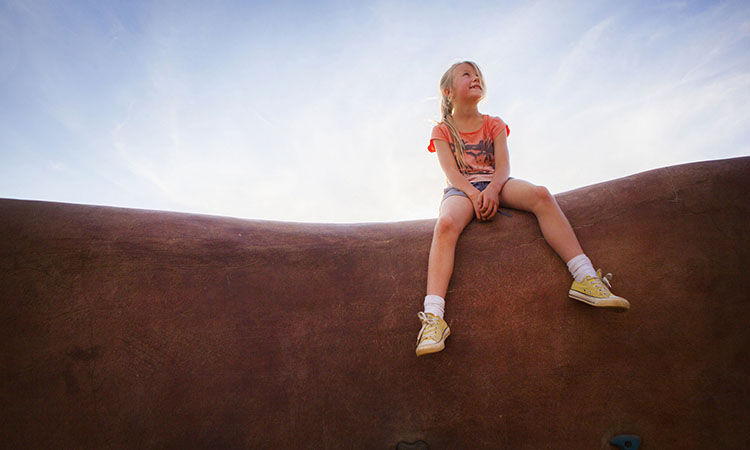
[{"x": 321, "y": 112}]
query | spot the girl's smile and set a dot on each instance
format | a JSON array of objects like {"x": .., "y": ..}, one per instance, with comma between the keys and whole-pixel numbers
[{"x": 467, "y": 83}]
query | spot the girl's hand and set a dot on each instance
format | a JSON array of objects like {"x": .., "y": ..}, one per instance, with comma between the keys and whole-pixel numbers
[
  {"x": 489, "y": 202},
  {"x": 476, "y": 200}
]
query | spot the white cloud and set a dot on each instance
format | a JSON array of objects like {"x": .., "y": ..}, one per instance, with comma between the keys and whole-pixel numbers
[{"x": 271, "y": 115}]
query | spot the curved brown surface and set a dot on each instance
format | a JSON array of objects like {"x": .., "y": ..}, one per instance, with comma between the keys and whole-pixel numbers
[{"x": 137, "y": 329}]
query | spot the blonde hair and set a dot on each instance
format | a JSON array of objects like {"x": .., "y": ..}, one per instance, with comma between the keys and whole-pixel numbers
[{"x": 446, "y": 110}]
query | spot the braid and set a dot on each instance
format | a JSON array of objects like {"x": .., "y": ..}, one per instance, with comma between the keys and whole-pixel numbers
[{"x": 446, "y": 110}]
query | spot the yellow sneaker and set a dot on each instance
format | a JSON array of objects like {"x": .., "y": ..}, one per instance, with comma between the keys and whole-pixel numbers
[
  {"x": 433, "y": 334},
  {"x": 595, "y": 291}
]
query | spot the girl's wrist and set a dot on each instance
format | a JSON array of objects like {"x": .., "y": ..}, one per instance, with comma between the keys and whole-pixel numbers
[
  {"x": 499, "y": 184},
  {"x": 496, "y": 185},
  {"x": 472, "y": 191}
]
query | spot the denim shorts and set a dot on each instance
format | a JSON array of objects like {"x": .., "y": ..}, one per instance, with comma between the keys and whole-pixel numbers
[
  {"x": 450, "y": 191},
  {"x": 481, "y": 185}
]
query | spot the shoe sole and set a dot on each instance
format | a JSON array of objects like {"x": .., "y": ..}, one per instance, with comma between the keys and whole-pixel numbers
[
  {"x": 436, "y": 347},
  {"x": 620, "y": 304}
]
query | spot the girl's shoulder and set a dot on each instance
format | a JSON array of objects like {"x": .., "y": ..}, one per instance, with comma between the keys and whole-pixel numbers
[
  {"x": 440, "y": 128},
  {"x": 490, "y": 118},
  {"x": 440, "y": 132},
  {"x": 495, "y": 125}
]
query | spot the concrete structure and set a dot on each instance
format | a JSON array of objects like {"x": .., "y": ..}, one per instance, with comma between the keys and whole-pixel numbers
[{"x": 138, "y": 329}]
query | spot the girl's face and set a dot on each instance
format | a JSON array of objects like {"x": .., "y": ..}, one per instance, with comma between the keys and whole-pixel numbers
[{"x": 467, "y": 84}]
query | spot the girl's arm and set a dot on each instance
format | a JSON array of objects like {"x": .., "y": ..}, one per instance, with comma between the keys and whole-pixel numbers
[
  {"x": 489, "y": 199},
  {"x": 455, "y": 177},
  {"x": 502, "y": 161}
]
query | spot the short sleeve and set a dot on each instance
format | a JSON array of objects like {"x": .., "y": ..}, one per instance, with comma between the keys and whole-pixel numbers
[
  {"x": 441, "y": 133},
  {"x": 497, "y": 126}
]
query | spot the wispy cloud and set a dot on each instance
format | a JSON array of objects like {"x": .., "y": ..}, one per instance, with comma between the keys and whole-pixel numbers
[{"x": 323, "y": 114}]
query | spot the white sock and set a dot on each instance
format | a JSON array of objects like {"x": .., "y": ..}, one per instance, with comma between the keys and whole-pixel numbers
[
  {"x": 434, "y": 304},
  {"x": 580, "y": 267}
]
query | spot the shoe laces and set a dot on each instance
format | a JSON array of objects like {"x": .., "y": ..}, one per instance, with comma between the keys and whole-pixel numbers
[
  {"x": 429, "y": 326},
  {"x": 602, "y": 282}
]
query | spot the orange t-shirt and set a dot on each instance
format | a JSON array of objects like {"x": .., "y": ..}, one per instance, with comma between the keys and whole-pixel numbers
[{"x": 479, "y": 146}]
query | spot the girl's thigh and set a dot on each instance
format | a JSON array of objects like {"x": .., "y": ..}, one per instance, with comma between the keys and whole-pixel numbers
[
  {"x": 520, "y": 194},
  {"x": 458, "y": 210}
]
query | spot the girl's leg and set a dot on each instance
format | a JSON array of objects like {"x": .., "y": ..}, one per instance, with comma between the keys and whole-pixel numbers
[
  {"x": 587, "y": 284},
  {"x": 455, "y": 213},
  {"x": 556, "y": 229}
]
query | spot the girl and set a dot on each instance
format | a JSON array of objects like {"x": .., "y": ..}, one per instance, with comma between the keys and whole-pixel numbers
[{"x": 473, "y": 152}]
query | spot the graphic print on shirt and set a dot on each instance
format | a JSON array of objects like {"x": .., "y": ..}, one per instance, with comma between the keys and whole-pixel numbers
[{"x": 481, "y": 154}]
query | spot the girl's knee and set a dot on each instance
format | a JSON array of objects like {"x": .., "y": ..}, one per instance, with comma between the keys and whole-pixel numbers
[
  {"x": 543, "y": 198},
  {"x": 447, "y": 226}
]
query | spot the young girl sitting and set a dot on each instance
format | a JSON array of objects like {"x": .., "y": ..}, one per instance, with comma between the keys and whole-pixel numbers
[{"x": 473, "y": 152}]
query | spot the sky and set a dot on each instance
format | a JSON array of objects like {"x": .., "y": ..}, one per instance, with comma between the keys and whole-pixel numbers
[{"x": 322, "y": 111}]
